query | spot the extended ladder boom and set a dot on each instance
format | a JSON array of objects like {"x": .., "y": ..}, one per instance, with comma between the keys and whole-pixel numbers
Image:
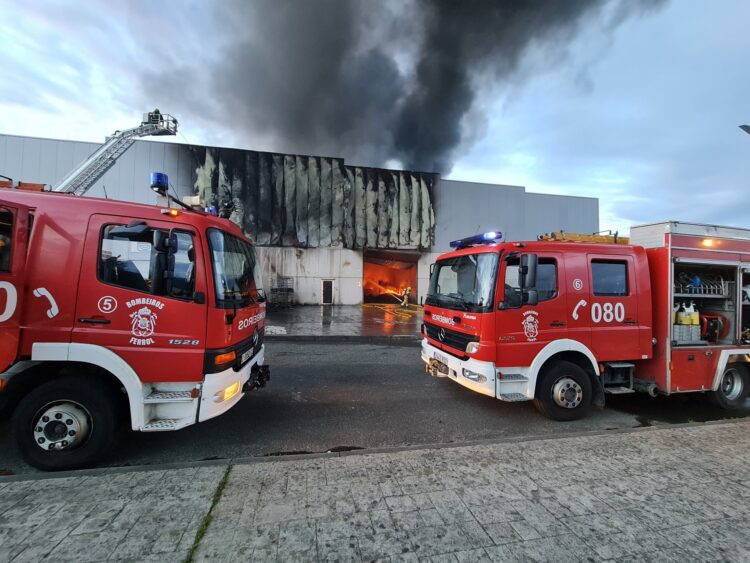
[{"x": 80, "y": 180}]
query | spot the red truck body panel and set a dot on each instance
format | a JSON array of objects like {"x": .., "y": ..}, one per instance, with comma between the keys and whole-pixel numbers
[{"x": 63, "y": 258}]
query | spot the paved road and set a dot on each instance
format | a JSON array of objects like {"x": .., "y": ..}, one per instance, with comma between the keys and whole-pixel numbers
[{"x": 359, "y": 396}]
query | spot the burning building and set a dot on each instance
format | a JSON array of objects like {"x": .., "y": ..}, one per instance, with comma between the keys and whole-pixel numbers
[{"x": 340, "y": 233}]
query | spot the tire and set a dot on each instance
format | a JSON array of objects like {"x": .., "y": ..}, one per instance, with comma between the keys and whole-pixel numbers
[
  {"x": 74, "y": 415},
  {"x": 560, "y": 384},
  {"x": 733, "y": 387}
]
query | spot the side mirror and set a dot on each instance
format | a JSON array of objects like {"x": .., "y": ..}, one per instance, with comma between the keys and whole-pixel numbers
[
  {"x": 530, "y": 297},
  {"x": 164, "y": 242},
  {"x": 527, "y": 271},
  {"x": 432, "y": 268}
]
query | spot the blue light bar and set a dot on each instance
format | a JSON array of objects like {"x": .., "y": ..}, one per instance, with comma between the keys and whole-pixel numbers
[{"x": 484, "y": 238}]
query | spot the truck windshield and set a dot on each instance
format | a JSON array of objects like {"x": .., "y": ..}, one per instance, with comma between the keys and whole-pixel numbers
[
  {"x": 236, "y": 273},
  {"x": 464, "y": 282}
]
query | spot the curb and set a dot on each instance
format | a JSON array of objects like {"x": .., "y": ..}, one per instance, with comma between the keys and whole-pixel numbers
[
  {"x": 365, "y": 451},
  {"x": 396, "y": 340}
]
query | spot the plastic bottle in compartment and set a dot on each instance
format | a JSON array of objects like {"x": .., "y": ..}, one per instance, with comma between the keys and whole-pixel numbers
[
  {"x": 683, "y": 317},
  {"x": 695, "y": 318}
]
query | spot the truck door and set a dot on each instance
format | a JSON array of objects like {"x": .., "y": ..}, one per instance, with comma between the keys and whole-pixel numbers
[
  {"x": 613, "y": 308},
  {"x": 523, "y": 330},
  {"x": 14, "y": 238},
  {"x": 140, "y": 296}
]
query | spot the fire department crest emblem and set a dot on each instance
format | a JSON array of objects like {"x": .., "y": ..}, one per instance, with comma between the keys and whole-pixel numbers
[
  {"x": 143, "y": 325},
  {"x": 530, "y": 325}
]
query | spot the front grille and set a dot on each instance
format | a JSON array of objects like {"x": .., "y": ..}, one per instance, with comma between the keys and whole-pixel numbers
[
  {"x": 256, "y": 348},
  {"x": 454, "y": 339}
]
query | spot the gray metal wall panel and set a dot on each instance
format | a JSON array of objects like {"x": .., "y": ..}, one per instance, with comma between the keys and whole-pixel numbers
[
  {"x": 30, "y": 157},
  {"x": 14, "y": 155},
  {"x": 466, "y": 208},
  {"x": 3, "y": 155},
  {"x": 547, "y": 212}
]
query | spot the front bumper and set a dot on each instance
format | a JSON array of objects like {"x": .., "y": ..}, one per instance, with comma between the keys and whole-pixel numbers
[
  {"x": 473, "y": 374},
  {"x": 248, "y": 377}
]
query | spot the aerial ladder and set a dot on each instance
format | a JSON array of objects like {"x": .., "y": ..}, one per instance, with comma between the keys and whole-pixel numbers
[{"x": 80, "y": 179}]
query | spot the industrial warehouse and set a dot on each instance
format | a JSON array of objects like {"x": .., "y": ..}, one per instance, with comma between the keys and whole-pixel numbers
[{"x": 327, "y": 231}]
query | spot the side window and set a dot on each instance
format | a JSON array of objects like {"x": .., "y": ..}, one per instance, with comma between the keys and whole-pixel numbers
[
  {"x": 546, "y": 281},
  {"x": 126, "y": 262},
  {"x": 132, "y": 262},
  {"x": 6, "y": 239},
  {"x": 609, "y": 278}
]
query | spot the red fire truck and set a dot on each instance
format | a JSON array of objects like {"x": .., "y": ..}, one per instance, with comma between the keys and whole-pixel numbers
[
  {"x": 564, "y": 322},
  {"x": 116, "y": 314}
]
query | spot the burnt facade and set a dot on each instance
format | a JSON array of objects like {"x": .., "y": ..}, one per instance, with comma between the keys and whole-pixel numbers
[{"x": 311, "y": 201}]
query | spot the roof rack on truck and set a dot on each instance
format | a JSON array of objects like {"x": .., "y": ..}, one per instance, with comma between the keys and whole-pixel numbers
[{"x": 607, "y": 237}]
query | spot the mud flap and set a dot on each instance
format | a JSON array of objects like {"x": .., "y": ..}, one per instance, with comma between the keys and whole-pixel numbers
[{"x": 598, "y": 393}]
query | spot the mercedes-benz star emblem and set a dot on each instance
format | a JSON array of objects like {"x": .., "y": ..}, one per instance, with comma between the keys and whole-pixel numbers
[{"x": 441, "y": 335}]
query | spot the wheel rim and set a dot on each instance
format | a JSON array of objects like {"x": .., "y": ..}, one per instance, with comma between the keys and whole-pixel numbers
[
  {"x": 567, "y": 393},
  {"x": 732, "y": 384},
  {"x": 61, "y": 426}
]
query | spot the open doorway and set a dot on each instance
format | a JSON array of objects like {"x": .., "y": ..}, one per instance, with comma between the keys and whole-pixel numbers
[{"x": 388, "y": 274}]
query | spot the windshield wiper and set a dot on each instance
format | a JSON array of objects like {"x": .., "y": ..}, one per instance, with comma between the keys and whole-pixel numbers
[{"x": 459, "y": 300}]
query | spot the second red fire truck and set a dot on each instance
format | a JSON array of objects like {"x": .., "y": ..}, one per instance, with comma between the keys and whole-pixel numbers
[{"x": 565, "y": 322}]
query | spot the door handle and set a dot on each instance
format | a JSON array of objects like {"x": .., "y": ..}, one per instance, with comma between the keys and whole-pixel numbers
[
  {"x": 94, "y": 321},
  {"x": 557, "y": 323},
  {"x": 630, "y": 322}
]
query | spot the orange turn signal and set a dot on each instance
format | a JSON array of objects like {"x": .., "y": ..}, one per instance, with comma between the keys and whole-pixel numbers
[
  {"x": 225, "y": 358},
  {"x": 170, "y": 212}
]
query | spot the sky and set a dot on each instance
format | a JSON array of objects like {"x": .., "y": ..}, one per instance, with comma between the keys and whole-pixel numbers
[{"x": 643, "y": 114}]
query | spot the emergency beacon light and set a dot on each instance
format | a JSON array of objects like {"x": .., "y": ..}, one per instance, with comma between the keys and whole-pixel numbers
[
  {"x": 160, "y": 183},
  {"x": 484, "y": 238}
]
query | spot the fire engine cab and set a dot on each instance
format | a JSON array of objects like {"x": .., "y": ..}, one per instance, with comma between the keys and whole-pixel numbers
[
  {"x": 115, "y": 314},
  {"x": 565, "y": 320}
]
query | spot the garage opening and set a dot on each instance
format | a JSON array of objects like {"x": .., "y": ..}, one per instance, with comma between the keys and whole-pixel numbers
[{"x": 387, "y": 274}]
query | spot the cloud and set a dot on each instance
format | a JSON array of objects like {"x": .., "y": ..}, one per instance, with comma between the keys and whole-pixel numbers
[{"x": 652, "y": 132}]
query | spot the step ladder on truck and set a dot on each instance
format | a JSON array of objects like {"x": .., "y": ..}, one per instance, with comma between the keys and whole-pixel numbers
[
  {"x": 566, "y": 319},
  {"x": 116, "y": 315}
]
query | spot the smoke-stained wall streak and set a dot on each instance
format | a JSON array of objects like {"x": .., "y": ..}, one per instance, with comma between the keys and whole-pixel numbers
[{"x": 311, "y": 202}]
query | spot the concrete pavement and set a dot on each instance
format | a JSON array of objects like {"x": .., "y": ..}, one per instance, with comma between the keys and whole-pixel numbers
[{"x": 676, "y": 494}]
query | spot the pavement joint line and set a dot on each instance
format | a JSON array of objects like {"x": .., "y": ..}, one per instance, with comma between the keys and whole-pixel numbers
[
  {"x": 206, "y": 521},
  {"x": 366, "y": 451}
]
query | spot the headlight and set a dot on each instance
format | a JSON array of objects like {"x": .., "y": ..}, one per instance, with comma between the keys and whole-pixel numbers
[
  {"x": 227, "y": 393},
  {"x": 478, "y": 377},
  {"x": 472, "y": 347}
]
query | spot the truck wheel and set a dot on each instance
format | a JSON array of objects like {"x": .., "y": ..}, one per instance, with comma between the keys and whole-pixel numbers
[
  {"x": 564, "y": 392},
  {"x": 732, "y": 390},
  {"x": 66, "y": 423}
]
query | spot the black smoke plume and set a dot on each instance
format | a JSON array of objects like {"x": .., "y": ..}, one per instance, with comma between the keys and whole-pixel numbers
[{"x": 373, "y": 81}]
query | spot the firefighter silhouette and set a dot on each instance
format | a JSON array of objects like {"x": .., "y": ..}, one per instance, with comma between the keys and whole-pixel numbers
[{"x": 405, "y": 297}]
